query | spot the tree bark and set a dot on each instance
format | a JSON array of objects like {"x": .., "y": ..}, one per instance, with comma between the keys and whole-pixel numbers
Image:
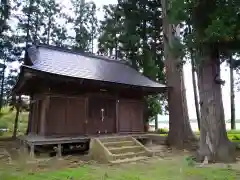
[
  {"x": 2, "y": 86},
  {"x": 180, "y": 133},
  {"x": 156, "y": 122},
  {"x": 16, "y": 117},
  {"x": 194, "y": 81},
  {"x": 214, "y": 143},
  {"x": 233, "y": 118}
]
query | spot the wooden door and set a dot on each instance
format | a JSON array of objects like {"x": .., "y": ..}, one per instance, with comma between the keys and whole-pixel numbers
[
  {"x": 108, "y": 116},
  {"x": 130, "y": 116},
  {"x": 102, "y": 115}
]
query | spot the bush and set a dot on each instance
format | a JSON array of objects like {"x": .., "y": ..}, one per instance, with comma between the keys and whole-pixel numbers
[
  {"x": 3, "y": 126},
  {"x": 162, "y": 131}
]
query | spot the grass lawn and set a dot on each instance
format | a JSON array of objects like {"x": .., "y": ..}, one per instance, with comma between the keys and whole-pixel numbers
[{"x": 154, "y": 169}]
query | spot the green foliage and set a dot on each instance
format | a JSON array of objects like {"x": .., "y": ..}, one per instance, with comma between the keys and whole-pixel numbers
[
  {"x": 177, "y": 49},
  {"x": 85, "y": 24},
  {"x": 53, "y": 33},
  {"x": 162, "y": 131},
  {"x": 190, "y": 161},
  {"x": 154, "y": 107},
  {"x": 218, "y": 25}
]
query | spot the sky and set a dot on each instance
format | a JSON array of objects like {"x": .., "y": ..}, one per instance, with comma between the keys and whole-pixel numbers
[{"x": 188, "y": 76}]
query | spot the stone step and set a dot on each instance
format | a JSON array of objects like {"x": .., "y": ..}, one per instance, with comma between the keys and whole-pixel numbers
[
  {"x": 114, "y": 139},
  {"x": 118, "y": 144},
  {"x": 134, "y": 159},
  {"x": 125, "y": 149},
  {"x": 129, "y": 155}
]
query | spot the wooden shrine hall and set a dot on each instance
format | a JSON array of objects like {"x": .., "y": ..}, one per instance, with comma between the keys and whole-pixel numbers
[{"x": 81, "y": 95}]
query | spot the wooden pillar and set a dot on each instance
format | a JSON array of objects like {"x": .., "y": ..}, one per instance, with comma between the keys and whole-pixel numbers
[
  {"x": 43, "y": 116},
  {"x": 59, "y": 150},
  {"x": 86, "y": 115},
  {"x": 30, "y": 115},
  {"x": 117, "y": 116},
  {"x": 47, "y": 107},
  {"x": 32, "y": 151},
  {"x": 24, "y": 146}
]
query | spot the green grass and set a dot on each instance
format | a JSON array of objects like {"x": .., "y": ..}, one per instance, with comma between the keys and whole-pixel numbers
[{"x": 151, "y": 170}]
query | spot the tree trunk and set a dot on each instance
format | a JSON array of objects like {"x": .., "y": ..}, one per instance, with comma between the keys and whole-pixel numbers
[
  {"x": 2, "y": 86},
  {"x": 16, "y": 117},
  {"x": 28, "y": 23},
  {"x": 49, "y": 30},
  {"x": 214, "y": 143},
  {"x": 194, "y": 81},
  {"x": 156, "y": 122},
  {"x": 180, "y": 133},
  {"x": 233, "y": 118}
]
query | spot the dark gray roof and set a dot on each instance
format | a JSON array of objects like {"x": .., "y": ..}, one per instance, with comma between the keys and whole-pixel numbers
[{"x": 66, "y": 63}]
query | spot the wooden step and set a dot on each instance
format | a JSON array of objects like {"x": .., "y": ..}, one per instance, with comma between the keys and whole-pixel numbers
[
  {"x": 129, "y": 160},
  {"x": 129, "y": 155},
  {"x": 125, "y": 149},
  {"x": 118, "y": 144},
  {"x": 114, "y": 139}
]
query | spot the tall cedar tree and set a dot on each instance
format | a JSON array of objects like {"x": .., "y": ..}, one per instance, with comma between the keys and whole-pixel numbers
[
  {"x": 54, "y": 31},
  {"x": 215, "y": 34},
  {"x": 9, "y": 52},
  {"x": 84, "y": 24},
  {"x": 93, "y": 21},
  {"x": 180, "y": 132},
  {"x": 4, "y": 15},
  {"x": 232, "y": 94}
]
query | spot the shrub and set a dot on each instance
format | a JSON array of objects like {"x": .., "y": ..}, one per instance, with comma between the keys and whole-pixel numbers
[
  {"x": 162, "y": 131},
  {"x": 3, "y": 125}
]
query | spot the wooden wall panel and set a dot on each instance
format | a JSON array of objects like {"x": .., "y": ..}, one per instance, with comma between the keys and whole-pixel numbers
[
  {"x": 124, "y": 117},
  {"x": 34, "y": 116},
  {"x": 137, "y": 117},
  {"x": 56, "y": 116},
  {"x": 76, "y": 116}
]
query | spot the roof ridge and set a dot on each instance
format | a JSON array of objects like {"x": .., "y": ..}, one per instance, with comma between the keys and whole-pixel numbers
[{"x": 62, "y": 49}]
